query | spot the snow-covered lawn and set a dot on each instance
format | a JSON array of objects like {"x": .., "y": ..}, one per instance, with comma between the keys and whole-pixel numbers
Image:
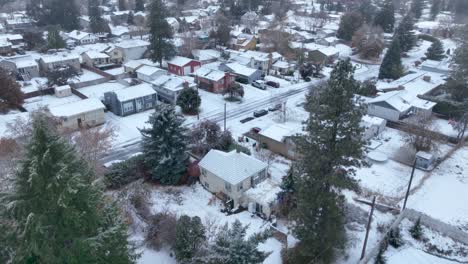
[
  {"x": 196, "y": 201},
  {"x": 411, "y": 255},
  {"x": 444, "y": 195}
]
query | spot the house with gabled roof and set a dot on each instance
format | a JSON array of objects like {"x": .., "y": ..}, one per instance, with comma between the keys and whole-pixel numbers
[
  {"x": 131, "y": 100},
  {"x": 230, "y": 175},
  {"x": 182, "y": 65},
  {"x": 81, "y": 37},
  {"x": 213, "y": 80}
]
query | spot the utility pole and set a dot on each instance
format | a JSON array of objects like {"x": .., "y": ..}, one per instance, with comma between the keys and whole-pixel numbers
[
  {"x": 363, "y": 253},
  {"x": 284, "y": 112},
  {"x": 225, "y": 117},
  {"x": 409, "y": 184}
]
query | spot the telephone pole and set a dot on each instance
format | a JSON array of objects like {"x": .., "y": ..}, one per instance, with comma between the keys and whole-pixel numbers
[
  {"x": 409, "y": 184},
  {"x": 224, "y": 116},
  {"x": 363, "y": 253}
]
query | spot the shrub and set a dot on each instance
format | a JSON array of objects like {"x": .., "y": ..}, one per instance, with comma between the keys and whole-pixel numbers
[
  {"x": 394, "y": 238},
  {"x": 416, "y": 231},
  {"x": 161, "y": 231},
  {"x": 124, "y": 172}
]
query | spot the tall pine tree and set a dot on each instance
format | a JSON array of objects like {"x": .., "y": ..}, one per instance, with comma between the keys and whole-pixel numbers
[
  {"x": 54, "y": 40},
  {"x": 333, "y": 144},
  {"x": 190, "y": 235},
  {"x": 161, "y": 33},
  {"x": 435, "y": 8},
  {"x": 417, "y": 7},
  {"x": 391, "y": 67},
  {"x": 139, "y": 5},
  {"x": 164, "y": 145},
  {"x": 385, "y": 18},
  {"x": 56, "y": 213},
  {"x": 96, "y": 23},
  {"x": 64, "y": 13},
  {"x": 405, "y": 33},
  {"x": 435, "y": 51},
  {"x": 349, "y": 23}
]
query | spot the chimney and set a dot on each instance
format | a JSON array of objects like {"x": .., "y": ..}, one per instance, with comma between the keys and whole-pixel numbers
[
  {"x": 185, "y": 85},
  {"x": 427, "y": 78}
]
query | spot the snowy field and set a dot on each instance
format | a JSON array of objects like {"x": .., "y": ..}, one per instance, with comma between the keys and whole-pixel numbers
[{"x": 444, "y": 194}]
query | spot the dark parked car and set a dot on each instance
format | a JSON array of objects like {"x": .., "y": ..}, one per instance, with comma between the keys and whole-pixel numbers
[
  {"x": 260, "y": 113},
  {"x": 245, "y": 120},
  {"x": 273, "y": 84}
]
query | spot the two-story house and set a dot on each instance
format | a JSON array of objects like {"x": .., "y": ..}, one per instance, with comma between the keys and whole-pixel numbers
[
  {"x": 82, "y": 38},
  {"x": 132, "y": 49},
  {"x": 131, "y": 100},
  {"x": 182, "y": 66},
  {"x": 231, "y": 174},
  {"x": 23, "y": 66},
  {"x": 169, "y": 87},
  {"x": 213, "y": 80}
]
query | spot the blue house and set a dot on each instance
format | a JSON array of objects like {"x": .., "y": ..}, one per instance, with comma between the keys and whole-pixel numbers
[{"x": 131, "y": 100}]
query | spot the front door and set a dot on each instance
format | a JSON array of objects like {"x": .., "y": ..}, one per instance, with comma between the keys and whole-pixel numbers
[{"x": 139, "y": 104}]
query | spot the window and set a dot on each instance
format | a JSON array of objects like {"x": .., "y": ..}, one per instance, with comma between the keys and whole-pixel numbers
[
  {"x": 203, "y": 172},
  {"x": 206, "y": 184},
  {"x": 240, "y": 186},
  {"x": 227, "y": 186},
  {"x": 127, "y": 107}
]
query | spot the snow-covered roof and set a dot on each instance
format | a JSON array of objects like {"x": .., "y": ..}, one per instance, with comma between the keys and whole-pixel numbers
[
  {"x": 92, "y": 54},
  {"x": 278, "y": 132},
  {"x": 62, "y": 88},
  {"x": 232, "y": 167},
  {"x": 78, "y": 35},
  {"x": 51, "y": 58},
  {"x": 172, "y": 21},
  {"x": 77, "y": 108},
  {"x": 132, "y": 43},
  {"x": 134, "y": 92},
  {"x": 169, "y": 82},
  {"x": 118, "y": 30},
  {"x": 190, "y": 19},
  {"x": 241, "y": 69},
  {"x": 180, "y": 61},
  {"x": 329, "y": 51},
  {"x": 282, "y": 64},
  {"x": 403, "y": 100},
  {"x": 149, "y": 70},
  {"x": 427, "y": 25},
  {"x": 138, "y": 63},
  {"x": 22, "y": 61},
  {"x": 206, "y": 54},
  {"x": 210, "y": 74},
  {"x": 372, "y": 120}
]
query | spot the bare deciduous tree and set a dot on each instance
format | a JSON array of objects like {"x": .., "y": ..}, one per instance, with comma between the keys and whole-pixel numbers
[
  {"x": 420, "y": 134},
  {"x": 369, "y": 41}
]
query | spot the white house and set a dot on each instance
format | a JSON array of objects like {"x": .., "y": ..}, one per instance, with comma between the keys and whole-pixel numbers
[
  {"x": 397, "y": 104},
  {"x": 373, "y": 126},
  {"x": 173, "y": 23},
  {"x": 132, "y": 49},
  {"x": 149, "y": 73},
  {"x": 94, "y": 58},
  {"x": 169, "y": 87},
  {"x": 24, "y": 66},
  {"x": 53, "y": 61},
  {"x": 231, "y": 174},
  {"x": 82, "y": 38},
  {"x": 80, "y": 114}
]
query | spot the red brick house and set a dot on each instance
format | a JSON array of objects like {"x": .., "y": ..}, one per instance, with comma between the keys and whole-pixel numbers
[
  {"x": 182, "y": 66},
  {"x": 214, "y": 81}
]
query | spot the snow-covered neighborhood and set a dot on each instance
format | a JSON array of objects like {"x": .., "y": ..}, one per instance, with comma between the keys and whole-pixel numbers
[{"x": 234, "y": 131}]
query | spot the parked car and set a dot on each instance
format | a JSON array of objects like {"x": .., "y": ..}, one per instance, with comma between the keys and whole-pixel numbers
[
  {"x": 245, "y": 120},
  {"x": 274, "y": 108},
  {"x": 259, "y": 84},
  {"x": 260, "y": 113},
  {"x": 273, "y": 84}
]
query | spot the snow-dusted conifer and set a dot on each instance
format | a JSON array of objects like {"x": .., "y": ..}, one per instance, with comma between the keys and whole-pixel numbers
[
  {"x": 164, "y": 145},
  {"x": 55, "y": 213}
]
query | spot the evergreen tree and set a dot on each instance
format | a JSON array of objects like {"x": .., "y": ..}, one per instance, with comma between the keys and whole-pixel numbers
[
  {"x": 130, "y": 18},
  {"x": 417, "y": 7},
  {"x": 381, "y": 259},
  {"x": 189, "y": 100},
  {"x": 190, "y": 235},
  {"x": 59, "y": 215},
  {"x": 232, "y": 247},
  {"x": 64, "y": 13},
  {"x": 394, "y": 238},
  {"x": 96, "y": 23},
  {"x": 222, "y": 33},
  {"x": 391, "y": 67},
  {"x": 459, "y": 74},
  {"x": 161, "y": 34},
  {"x": 54, "y": 40},
  {"x": 435, "y": 8},
  {"x": 350, "y": 22},
  {"x": 235, "y": 91},
  {"x": 385, "y": 18},
  {"x": 122, "y": 5},
  {"x": 139, "y": 5},
  {"x": 405, "y": 34},
  {"x": 164, "y": 145},
  {"x": 367, "y": 10},
  {"x": 333, "y": 143},
  {"x": 11, "y": 95},
  {"x": 416, "y": 230},
  {"x": 435, "y": 51}
]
